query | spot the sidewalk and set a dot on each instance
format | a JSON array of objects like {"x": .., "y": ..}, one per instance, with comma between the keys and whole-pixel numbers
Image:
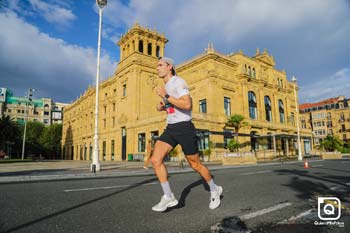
[{"x": 68, "y": 169}]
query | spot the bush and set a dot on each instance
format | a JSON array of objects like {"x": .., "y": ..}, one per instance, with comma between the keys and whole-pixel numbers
[
  {"x": 332, "y": 143},
  {"x": 233, "y": 145}
]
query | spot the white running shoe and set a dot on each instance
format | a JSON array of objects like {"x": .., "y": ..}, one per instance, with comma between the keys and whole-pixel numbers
[
  {"x": 215, "y": 198},
  {"x": 164, "y": 203}
]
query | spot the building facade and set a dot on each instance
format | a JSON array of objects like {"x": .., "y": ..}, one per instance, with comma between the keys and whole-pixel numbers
[
  {"x": 220, "y": 85},
  {"x": 20, "y": 108},
  {"x": 327, "y": 117}
]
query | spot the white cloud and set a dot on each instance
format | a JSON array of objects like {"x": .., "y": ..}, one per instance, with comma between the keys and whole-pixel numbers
[
  {"x": 53, "y": 13},
  {"x": 327, "y": 87},
  {"x": 309, "y": 39},
  {"x": 56, "y": 12},
  {"x": 54, "y": 68}
]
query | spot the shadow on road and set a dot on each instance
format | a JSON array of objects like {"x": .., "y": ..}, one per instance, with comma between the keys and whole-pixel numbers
[
  {"x": 186, "y": 191},
  {"x": 308, "y": 188},
  {"x": 79, "y": 205}
]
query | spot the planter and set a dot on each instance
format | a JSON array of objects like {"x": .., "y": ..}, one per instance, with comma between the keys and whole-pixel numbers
[
  {"x": 174, "y": 159},
  {"x": 233, "y": 158},
  {"x": 331, "y": 155}
]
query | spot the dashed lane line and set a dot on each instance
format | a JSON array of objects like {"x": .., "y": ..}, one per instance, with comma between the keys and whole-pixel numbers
[
  {"x": 294, "y": 218},
  {"x": 106, "y": 187},
  {"x": 252, "y": 173},
  {"x": 265, "y": 211}
]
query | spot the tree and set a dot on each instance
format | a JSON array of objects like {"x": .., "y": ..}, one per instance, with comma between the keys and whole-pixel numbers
[
  {"x": 9, "y": 133},
  {"x": 50, "y": 139},
  {"x": 237, "y": 122},
  {"x": 332, "y": 143},
  {"x": 34, "y": 131}
]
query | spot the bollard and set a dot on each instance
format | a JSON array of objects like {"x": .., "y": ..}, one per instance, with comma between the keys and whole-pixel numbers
[{"x": 94, "y": 168}]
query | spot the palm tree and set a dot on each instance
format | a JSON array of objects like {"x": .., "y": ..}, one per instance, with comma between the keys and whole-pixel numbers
[
  {"x": 9, "y": 131},
  {"x": 236, "y": 121}
]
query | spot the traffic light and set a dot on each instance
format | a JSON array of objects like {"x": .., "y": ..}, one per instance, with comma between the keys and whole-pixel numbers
[{"x": 30, "y": 94}]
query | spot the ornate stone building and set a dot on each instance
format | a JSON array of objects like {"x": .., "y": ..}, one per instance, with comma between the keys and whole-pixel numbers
[{"x": 220, "y": 85}]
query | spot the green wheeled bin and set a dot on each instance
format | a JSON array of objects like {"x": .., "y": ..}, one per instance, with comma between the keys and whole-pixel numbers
[{"x": 130, "y": 157}]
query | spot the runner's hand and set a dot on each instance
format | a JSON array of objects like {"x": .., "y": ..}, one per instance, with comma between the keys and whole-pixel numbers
[{"x": 160, "y": 107}]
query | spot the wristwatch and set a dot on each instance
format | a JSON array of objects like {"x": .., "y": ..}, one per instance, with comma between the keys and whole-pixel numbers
[{"x": 166, "y": 96}]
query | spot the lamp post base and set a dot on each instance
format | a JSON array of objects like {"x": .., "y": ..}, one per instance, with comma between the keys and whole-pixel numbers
[{"x": 95, "y": 168}]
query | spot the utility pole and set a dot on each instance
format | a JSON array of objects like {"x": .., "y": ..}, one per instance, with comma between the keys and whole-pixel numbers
[{"x": 29, "y": 100}]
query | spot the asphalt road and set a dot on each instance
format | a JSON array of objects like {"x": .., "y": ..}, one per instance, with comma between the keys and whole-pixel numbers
[{"x": 265, "y": 198}]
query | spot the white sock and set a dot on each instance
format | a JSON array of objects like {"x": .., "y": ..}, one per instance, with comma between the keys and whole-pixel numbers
[
  {"x": 166, "y": 189},
  {"x": 212, "y": 185}
]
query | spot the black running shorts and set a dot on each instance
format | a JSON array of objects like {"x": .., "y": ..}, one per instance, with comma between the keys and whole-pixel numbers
[{"x": 183, "y": 133}]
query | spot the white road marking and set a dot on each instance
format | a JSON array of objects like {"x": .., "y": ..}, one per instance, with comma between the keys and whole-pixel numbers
[
  {"x": 347, "y": 183},
  {"x": 293, "y": 218},
  {"x": 265, "y": 211},
  {"x": 251, "y": 173},
  {"x": 317, "y": 165},
  {"x": 107, "y": 187}
]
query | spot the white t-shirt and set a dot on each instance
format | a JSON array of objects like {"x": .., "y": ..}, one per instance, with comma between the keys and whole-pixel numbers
[{"x": 176, "y": 87}]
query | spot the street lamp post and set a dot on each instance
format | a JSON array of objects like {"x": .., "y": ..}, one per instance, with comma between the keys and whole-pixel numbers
[
  {"x": 294, "y": 80},
  {"x": 95, "y": 166},
  {"x": 29, "y": 99}
]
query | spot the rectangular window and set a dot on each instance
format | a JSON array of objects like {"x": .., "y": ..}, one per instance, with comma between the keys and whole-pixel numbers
[
  {"x": 154, "y": 136},
  {"x": 104, "y": 150},
  {"x": 113, "y": 107},
  {"x": 292, "y": 118},
  {"x": 203, "y": 142},
  {"x": 203, "y": 106},
  {"x": 124, "y": 90},
  {"x": 112, "y": 149},
  {"x": 227, "y": 106},
  {"x": 105, "y": 109},
  {"x": 46, "y": 113},
  {"x": 141, "y": 142},
  {"x": 227, "y": 137},
  {"x": 113, "y": 121}
]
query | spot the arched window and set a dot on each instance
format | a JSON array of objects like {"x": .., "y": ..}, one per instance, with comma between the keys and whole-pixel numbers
[
  {"x": 149, "y": 49},
  {"x": 268, "y": 112},
  {"x": 141, "y": 46},
  {"x": 249, "y": 71},
  {"x": 252, "y": 105},
  {"x": 281, "y": 110},
  {"x": 245, "y": 69},
  {"x": 157, "y": 51},
  {"x": 254, "y": 75}
]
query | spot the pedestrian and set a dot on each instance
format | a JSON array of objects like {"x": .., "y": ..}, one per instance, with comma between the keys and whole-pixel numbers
[
  {"x": 149, "y": 151},
  {"x": 176, "y": 101}
]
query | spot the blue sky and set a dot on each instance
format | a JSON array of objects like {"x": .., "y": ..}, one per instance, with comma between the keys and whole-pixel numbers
[{"x": 50, "y": 45}]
